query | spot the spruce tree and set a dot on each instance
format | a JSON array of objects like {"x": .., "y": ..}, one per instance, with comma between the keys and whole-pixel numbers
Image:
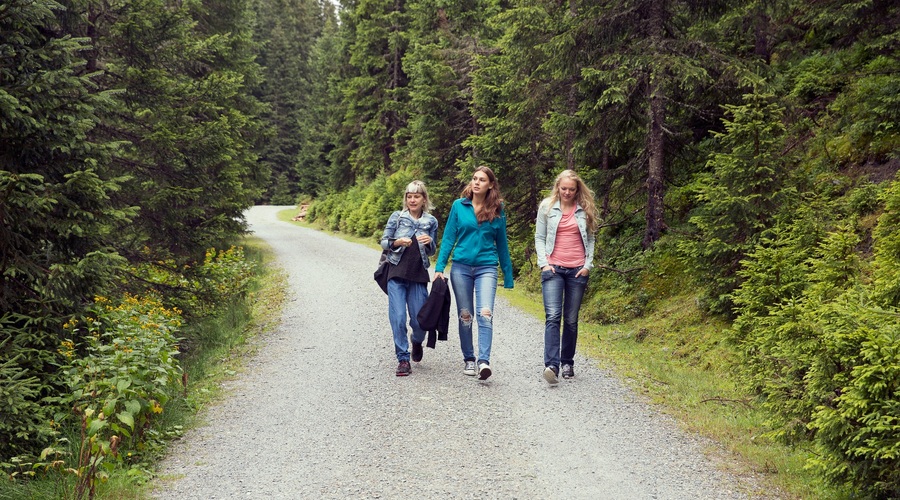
[{"x": 57, "y": 221}]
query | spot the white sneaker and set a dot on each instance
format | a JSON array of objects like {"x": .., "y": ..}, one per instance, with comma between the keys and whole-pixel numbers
[
  {"x": 550, "y": 375},
  {"x": 484, "y": 371},
  {"x": 469, "y": 369}
]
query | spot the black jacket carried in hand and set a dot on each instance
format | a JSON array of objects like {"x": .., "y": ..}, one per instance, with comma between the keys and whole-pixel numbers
[{"x": 434, "y": 317}]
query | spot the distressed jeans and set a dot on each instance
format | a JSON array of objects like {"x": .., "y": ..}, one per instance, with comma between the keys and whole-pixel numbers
[{"x": 479, "y": 282}]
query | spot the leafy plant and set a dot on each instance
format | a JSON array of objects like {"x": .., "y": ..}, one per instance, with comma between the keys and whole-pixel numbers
[{"x": 126, "y": 375}]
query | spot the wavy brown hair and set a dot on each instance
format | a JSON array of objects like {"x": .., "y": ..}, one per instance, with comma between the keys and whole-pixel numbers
[{"x": 493, "y": 200}]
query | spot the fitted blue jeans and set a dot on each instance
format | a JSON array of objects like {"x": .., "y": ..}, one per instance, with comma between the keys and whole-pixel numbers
[
  {"x": 405, "y": 296},
  {"x": 479, "y": 282},
  {"x": 562, "y": 292}
]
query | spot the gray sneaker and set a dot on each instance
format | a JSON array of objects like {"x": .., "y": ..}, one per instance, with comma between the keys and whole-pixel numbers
[
  {"x": 568, "y": 371},
  {"x": 551, "y": 375},
  {"x": 469, "y": 369}
]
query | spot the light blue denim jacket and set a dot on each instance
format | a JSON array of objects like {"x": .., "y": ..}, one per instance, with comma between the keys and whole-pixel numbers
[
  {"x": 402, "y": 225},
  {"x": 545, "y": 227}
]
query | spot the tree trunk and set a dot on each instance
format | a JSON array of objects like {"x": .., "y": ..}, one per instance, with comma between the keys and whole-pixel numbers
[{"x": 656, "y": 187}]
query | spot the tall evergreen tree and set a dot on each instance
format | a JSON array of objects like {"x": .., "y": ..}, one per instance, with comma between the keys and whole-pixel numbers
[
  {"x": 189, "y": 124},
  {"x": 447, "y": 40},
  {"x": 649, "y": 71},
  {"x": 57, "y": 222},
  {"x": 287, "y": 31},
  {"x": 375, "y": 91},
  {"x": 320, "y": 121}
]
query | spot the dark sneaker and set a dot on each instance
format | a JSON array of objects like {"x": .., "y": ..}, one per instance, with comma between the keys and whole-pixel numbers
[
  {"x": 403, "y": 369},
  {"x": 551, "y": 375},
  {"x": 417, "y": 351},
  {"x": 484, "y": 371},
  {"x": 568, "y": 371}
]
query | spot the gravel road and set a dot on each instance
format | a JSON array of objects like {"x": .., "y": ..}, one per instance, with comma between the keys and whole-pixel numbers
[{"x": 318, "y": 413}]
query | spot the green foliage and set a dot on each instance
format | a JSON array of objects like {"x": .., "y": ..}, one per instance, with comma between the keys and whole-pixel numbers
[
  {"x": 128, "y": 368},
  {"x": 22, "y": 420},
  {"x": 364, "y": 209},
  {"x": 857, "y": 371},
  {"x": 199, "y": 291},
  {"x": 125, "y": 377},
  {"x": 886, "y": 286},
  {"x": 819, "y": 343},
  {"x": 739, "y": 197}
]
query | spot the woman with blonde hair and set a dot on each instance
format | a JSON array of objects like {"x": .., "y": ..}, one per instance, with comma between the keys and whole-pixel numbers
[
  {"x": 475, "y": 236},
  {"x": 564, "y": 241}
]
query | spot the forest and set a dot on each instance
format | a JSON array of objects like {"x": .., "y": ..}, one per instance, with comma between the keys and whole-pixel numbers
[{"x": 751, "y": 146}]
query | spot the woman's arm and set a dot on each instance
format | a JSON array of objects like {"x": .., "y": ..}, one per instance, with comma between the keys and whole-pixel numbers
[
  {"x": 448, "y": 240},
  {"x": 540, "y": 236}
]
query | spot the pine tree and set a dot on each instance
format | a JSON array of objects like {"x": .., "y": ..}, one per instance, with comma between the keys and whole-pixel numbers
[
  {"x": 287, "y": 30},
  {"x": 190, "y": 126},
  {"x": 746, "y": 186},
  {"x": 57, "y": 221},
  {"x": 375, "y": 90}
]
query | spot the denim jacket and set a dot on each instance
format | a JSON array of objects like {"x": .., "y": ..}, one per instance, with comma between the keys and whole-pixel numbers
[
  {"x": 548, "y": 219},
  {"x": 402, "y": 225}
]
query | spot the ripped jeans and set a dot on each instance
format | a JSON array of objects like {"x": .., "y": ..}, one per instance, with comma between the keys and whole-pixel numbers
[{"x": 479, "y": 282}]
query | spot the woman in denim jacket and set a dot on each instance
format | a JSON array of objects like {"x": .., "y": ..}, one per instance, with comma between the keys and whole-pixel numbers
[
  {"x": 414, "y": 229},
  {"x": 564, "y": 242}
]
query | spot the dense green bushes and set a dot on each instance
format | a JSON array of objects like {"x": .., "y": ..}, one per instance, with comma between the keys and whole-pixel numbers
[
  {"x": 115, "y": 372},
  {"x": 820, "y": 341}
]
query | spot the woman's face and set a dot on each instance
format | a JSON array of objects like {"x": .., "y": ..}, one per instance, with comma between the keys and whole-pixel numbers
[
  {"x": 568, "y": 188},
  {"x": 480, "y": 183},
  {"x": 414, "y": 202}
]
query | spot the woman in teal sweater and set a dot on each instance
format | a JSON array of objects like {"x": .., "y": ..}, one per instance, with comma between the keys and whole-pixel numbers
[{"x": 475, "y": 236}]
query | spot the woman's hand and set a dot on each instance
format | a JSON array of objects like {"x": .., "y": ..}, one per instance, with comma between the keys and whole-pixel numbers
[
  {"x": 424, "y": 239},
  {"x": 402, "y": 242},
  {"x": 438, "y": 276},
  {"x": 547, "y": 268},
  {"x": 583, "y": 272}
]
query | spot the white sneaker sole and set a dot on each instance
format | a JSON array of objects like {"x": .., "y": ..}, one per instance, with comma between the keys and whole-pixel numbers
[{"x": 550, "y": 376}]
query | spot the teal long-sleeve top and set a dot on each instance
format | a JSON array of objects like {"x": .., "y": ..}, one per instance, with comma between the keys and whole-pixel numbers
[{"x": 473, "y": 243}]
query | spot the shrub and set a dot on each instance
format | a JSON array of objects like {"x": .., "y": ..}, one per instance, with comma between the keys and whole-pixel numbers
[{"x": 124, "y": 378}]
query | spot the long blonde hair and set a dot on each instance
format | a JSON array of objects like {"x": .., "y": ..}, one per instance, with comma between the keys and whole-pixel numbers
[
  {"x": 493, "y": 201},
  {"x": 584, "y": 197}
]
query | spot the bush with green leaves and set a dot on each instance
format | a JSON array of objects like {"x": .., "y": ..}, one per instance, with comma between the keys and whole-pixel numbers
[
  {"x": 119, "y": 378},
  {"x": 819, "y": 334},
  {"x": 199, "y": 290},
  {"x": 363, "y": 209}
]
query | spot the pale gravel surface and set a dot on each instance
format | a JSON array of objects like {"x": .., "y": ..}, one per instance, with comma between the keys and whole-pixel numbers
[{"x": 318, "y": 412}]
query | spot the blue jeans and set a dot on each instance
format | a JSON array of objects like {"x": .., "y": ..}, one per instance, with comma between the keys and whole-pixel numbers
[
  {"x": 405, "y": 296},
  {"x": 562, "y": 292},
  {"x": 480, "y": 282}
]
